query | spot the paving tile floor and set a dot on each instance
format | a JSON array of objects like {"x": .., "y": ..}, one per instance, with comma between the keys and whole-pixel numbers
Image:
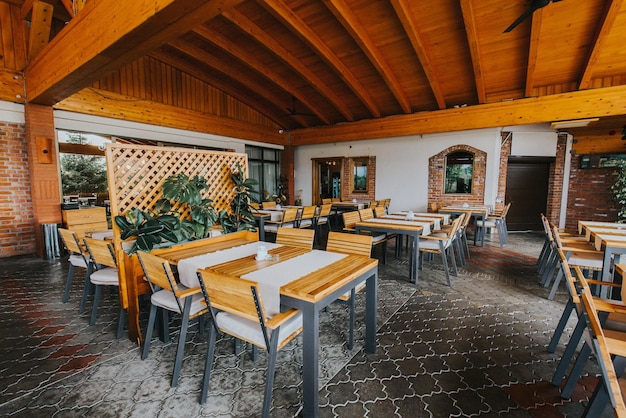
[{"x": 476, "y": 348}]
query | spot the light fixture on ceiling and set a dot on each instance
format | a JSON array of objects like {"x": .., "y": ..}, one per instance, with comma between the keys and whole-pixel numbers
[{"x": 576, "y": 123}]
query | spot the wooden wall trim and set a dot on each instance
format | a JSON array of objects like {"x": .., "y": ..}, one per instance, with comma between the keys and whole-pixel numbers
[{"x": 609, "y": 101}]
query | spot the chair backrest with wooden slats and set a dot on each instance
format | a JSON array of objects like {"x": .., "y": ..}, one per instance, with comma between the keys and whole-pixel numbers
[
  {"x": 159, "y": 275},
  {"x": 70, "y": 239},
  {"x": 349, "y": 243},
  {"x": 366, "y": 214},
  {"x": 268, "y": 205},
  {"x": 379, "y": 211},
  {"x": 296, "y": 237},
  {"x": 325, "y": 209},
  {"x": 308, "y": 212},
  {"x": 289, "y": 215},
  {"x": 101, "y": 252},
  {"x": 326, "y": 200},
  {"x": 335, "y": 199},
  {"x": 231, "y": 294},
  {"x": 350, "y": 219},
  {"x": 373, "y": 204}
]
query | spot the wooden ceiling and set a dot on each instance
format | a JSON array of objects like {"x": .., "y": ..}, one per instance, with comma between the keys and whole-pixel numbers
[{"x": 319, "y": 63}]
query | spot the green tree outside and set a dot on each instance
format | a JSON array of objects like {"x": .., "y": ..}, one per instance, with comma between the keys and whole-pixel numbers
[{"x": 82, "y": 173}]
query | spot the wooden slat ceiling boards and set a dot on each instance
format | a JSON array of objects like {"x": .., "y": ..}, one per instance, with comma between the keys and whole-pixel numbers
[{"x": 305, "y": 64}]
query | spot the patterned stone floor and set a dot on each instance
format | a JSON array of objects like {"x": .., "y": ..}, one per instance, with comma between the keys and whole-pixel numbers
[{"x": 477, "y": 348}]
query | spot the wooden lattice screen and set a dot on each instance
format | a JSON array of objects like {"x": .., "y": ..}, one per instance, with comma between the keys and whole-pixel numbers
[{"x": 135, "y": 174}]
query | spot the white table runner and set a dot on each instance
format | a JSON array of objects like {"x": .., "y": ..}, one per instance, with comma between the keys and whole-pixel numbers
[
  {"x": 188, "y": 267},
  {"x": 436, "y": 221},
  {"x": 271, "y": 278}
]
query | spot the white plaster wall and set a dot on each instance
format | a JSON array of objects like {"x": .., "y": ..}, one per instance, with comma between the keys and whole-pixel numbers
[
  {"x": 11, "y": 112},
  {"x": 402, "y": 164}
]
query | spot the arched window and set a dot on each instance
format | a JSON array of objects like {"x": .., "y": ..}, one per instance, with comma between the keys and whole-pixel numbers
[{"x": 459, "y": 172}]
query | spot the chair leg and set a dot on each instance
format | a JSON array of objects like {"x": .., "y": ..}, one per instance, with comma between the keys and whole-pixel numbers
[
  {"x": 569, "y": 352},
  {"x": 576, "y": 372},
  {"x": 444, "y": 261},
  {"x": 569, "y": 307},
  {"x": 96, "y": 300},
  {"x": 598, "y": 401},
  {"x": 149, "y": 330},
  {"x": 555, "y": 285},
  {"x": 269, "y": 379},
  {"x": 68, "y": 283},
  {"x": 455, "y": 271},
  {"x": 208, "y": 364},
  {"x": 180, "y": 347},
  {"x": 120, "y": 323},
  {"x": 86, "y": 288}
]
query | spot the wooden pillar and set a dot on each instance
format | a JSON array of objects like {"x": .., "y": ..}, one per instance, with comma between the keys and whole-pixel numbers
[
  {"x": 43, "y": 167},
  {"x": 287, "y": 170}
]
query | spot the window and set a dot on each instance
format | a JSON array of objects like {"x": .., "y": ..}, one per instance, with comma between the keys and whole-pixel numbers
[
  {"x": 264, "y": 166},
  {"x": 459, "y": 172},
  {"x": 359, "y": 179}
]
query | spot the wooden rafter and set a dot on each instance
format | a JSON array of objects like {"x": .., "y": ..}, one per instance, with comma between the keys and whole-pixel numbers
[
  {"x": 69, "y": 6},
  {"x": 291, "y": 20},
  {"x": 257, "y": 65},
  {"x": 261, "y": 36},
  {"x": 359, "y": 34},
  {"x": 605, "y": 29},
  {"x": 107, "y": 35},
  {"x": 469, "y": 19},
  {"x": 41, "y": 20},
  {"x": 411, "y": 28},
  {"x": 535, "y": 31}
]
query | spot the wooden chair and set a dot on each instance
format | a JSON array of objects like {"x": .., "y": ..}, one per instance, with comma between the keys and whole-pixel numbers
[
  {"x": 326, "y": 201},
  {"x": 442, "y": 243},
  {"x": 105, "y": 274},
  {"x": 78, "y": 257},
  {"x": 173, "y": 297},
  {"x": 497, "y": 221},
  {"x": 350, "y": 244},
  {"x": 236, "y": 308},
  {"x": 615, "y": 322},
  {"x": 296, "y": 237},
  {"x": 349, "y": 220},
  {"x": 609, "y": 349},
  {"x": 306, "y": 217},
  {"x": 434, "y": 207},
  {"x": 288, "y": 221},
  {"x": 379, "y": 211},
  {"x": 268, "y": 204},
  {"x": 386, "y": 204}
]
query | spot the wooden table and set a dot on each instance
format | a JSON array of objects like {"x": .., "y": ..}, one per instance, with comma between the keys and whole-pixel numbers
[
  {"x": 309, "y": 292},
  {"x": 478, "y": 212},
  {"x": 409, "y": 228}
]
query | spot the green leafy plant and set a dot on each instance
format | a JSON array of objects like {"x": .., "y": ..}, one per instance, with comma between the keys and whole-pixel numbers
[
  {"x": 619, "y": 190},
  {"x": 166, "y": 223},
  {"x": 240, "y": 217}
]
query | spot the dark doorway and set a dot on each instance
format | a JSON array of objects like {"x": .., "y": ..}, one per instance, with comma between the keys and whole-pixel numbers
[
  {"x": 326, "y": 179},
  {"x": 527, "y": 188}
]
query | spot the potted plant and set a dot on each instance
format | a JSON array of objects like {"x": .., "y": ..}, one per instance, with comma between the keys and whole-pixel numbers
[
  {"x": 166, "y": 224},
  {"x": 619, "y": 190},
  {"x": 240, "y": 217}
]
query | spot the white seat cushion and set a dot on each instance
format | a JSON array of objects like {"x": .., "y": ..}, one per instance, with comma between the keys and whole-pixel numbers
[
  {"x": 251, "y": 330},
  {"x": 305, "y": 223},
  {"x": 274, "y": 227},
  {"x": 106, "y": 276},
  {"x": 166, "y": 299},
  {"x": 77, "y": 260},
  {"x": 432, "y": 244},
  {"x": 487, "y": 224},
  {"x": 379, "y": 238}
]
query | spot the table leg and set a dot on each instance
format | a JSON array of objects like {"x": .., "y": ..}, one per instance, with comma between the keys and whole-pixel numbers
[
  {"x": 261, "y": 222},
  {"x": 370, "y": 312},
  {"x": 310, "y": 359}
]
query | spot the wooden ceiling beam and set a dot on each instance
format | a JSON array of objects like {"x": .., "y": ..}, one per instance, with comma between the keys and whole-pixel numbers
[
  {"x": 252, "y": 61},
  {"x": 69, "y": 6},
  {"x": 359, "y": 34},
  {"x": 103, "y": 103},
  {"x": 609, "y": 101},
  {"x": 261, "y": 36},
  {"x": 469, "y": 18},
  {"x": 533, "y": 50},
  {"x": 608, "y": 23},
  {"x": 298, "y": 27},
  {"x": 107, "y": 35},
  {"x": 412, "y": 31},
  {"x": 41, "y": 21}
]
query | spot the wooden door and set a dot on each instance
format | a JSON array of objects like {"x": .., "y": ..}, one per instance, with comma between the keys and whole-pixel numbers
[{"x": 527, "y": 189}]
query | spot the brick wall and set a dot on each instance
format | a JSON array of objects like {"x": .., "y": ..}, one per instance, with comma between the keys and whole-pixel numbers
[
  {"x": 346, "y": 181},
  {"x": 17, "y": 235},
  {"x": 555, "y": 181},
  {"x": 590, "y": 195},
  {"x": 436, "y": 170}
]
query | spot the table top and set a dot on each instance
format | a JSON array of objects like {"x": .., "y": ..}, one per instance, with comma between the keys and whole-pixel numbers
[
  {"x": 583, "y": 226},
  {"x": 483, "y": 209},
  {"x": 393, "y": 224},
  {"x": 609, "y": 240}
]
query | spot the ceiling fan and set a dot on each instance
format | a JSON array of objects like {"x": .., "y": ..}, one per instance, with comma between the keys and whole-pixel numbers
[
  {"x": 534, "y": 5},
  {"x": 294, "y": 112}
]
